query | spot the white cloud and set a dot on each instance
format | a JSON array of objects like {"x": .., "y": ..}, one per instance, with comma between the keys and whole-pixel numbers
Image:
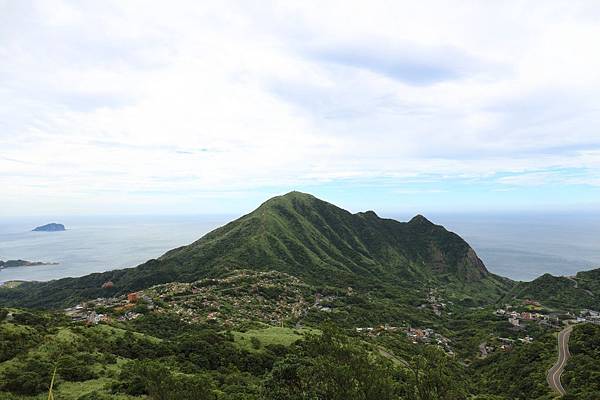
[{"x": 108, "y": 101}]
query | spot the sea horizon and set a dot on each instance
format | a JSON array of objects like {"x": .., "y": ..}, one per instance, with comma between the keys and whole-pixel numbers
[{"x": 520, "y": 246}]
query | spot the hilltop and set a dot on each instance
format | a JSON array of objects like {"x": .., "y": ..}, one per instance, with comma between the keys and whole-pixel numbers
[
  {"x": 308, "y": 238},
  {"x": 563, "y": 292}
]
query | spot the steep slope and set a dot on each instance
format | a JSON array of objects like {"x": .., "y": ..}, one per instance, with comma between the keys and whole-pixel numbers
[
  {"x": 308, "y": 237},
  {"x": 579, "y": 291},
  {"x": 305, "y": 237}
]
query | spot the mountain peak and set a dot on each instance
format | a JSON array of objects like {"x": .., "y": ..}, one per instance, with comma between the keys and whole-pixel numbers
[
  {"x": 294, "y": 200},
  {"x": 293, "y": 195},
  {"x": 419, "y": 219},
  {"x": 369, "y": 213}
]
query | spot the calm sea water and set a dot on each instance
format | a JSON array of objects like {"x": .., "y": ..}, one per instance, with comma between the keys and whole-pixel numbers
[
  {"x": 518, "y": 246},
  {"x": 95, "y": 244},
  {"x": 524, "y": 247}
]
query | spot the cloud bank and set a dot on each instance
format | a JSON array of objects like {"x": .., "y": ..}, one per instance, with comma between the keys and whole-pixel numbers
[{"x": 185, "y": 107}]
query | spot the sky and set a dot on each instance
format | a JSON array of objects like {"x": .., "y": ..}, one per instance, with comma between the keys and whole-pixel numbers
[{"x": 187, "y": 107}]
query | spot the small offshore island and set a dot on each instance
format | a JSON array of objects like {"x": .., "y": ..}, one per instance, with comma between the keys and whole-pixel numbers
[
  {"x": 23, "y": 263},
  {"x": 53, "y": 227}
]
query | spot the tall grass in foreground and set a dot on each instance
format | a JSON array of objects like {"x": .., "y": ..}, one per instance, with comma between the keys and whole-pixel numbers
[{"x": 50, "y": 393}]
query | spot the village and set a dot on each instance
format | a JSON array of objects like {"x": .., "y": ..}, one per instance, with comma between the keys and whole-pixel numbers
[
  {"x": 435, "y": 302},
  {"x": 272, "y": 297},
  {"x": 88, "y": 313},
  {"x": 415, "y": 335},
  {"x": 536, "y": 313},
  {"x": 278, "y": 299}
]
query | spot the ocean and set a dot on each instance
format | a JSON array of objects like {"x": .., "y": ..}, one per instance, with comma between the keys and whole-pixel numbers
[
  {"x": 95, "y": 244},
  {"x": 520, "y": 247}
]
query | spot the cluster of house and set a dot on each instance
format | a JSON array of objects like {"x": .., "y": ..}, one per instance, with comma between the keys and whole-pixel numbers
[
  {"x": 324, "y": 303},
  {"x": 128, "y": 316},
  {"x": 434, "y": 301},
  {"x": 271, "y": 297},
  {"x": 591, "y": 316},
  {"x": 552, "y": 320},
  {"x": 426, "y": 335},
  {"x": 81, "y": 313},
  {"x": 378, "y": 330},
  {"x": 502, "y": 344},
  {"x": 515, "y": 317},
  {"x": 86, "y": 312},
  {"x": 416, "y": 335}
]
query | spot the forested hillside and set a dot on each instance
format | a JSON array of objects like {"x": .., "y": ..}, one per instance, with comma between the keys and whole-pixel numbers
[{"x": 577, "y": 292}]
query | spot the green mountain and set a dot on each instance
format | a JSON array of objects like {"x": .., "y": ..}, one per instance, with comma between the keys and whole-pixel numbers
[
  {"x": 303, "y": 236},
  {"x": 573, "y": 292}
]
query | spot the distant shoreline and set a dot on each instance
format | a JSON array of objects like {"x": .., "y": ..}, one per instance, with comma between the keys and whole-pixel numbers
[{"x": 23, "y": 263}]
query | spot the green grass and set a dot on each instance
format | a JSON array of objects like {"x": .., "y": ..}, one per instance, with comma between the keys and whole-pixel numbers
[
  {"x": 114, "y": 332},
  {"x": 270, "y": 335},
  {"x": 73, "y": 390},
  {"x": 66, "y": 335},
  {"x": 10, "y": 328}
]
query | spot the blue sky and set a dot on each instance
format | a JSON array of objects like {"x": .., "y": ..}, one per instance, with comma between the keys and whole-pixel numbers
[{"x": 145, "y": 107}]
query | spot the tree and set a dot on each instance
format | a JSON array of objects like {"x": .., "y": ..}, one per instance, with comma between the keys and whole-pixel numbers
[
  {"x": 75, "y": 368},
  {"x": 255, "y": 342},
  {"x": 432, "y": 375},
  {"x": 30, "y": 377},
  {"x": 154, "y": 379},
  {"x": 331, "y": 366}
]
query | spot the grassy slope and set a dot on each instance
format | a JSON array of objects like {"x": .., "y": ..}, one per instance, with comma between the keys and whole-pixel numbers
[
  {"x": 306, "y": 237},
  {"x": 270, "y": 335}
]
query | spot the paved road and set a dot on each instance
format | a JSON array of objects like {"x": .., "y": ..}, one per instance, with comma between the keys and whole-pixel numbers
[
  {"x": 572, "y": 279},
  {"x": 554, "y": 373}
]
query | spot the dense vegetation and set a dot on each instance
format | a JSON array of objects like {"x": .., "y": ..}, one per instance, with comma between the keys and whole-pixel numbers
[
  {"x": 160, "y": 357},
  {"x": 582, "y": 374},
  {"x": 581, "y": 291},
  {"x": 206, "y": 362},
  {"x": 520, "y": 374}
]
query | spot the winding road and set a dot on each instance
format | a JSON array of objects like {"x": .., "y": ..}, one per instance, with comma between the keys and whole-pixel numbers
[
  {"x": 554, "y": 373},
  {"x": 572, "y": 279}
]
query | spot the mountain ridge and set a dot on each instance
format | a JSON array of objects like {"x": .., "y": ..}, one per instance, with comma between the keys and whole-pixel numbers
[{"x": 306, "y": 237}]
